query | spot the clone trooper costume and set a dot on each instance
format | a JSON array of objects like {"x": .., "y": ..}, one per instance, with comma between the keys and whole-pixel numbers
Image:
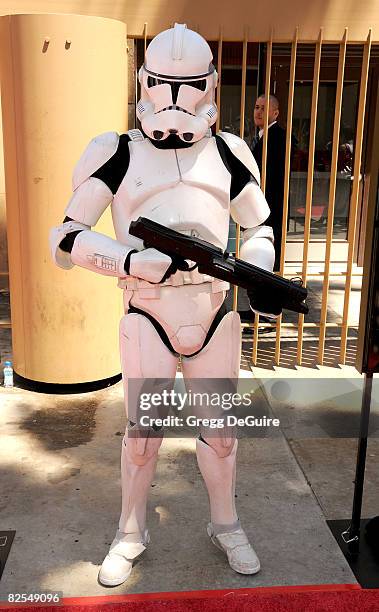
[{"x": 179, "y": 175}]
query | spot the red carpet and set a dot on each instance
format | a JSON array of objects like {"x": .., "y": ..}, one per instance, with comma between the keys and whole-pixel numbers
[{"x": 312, "y": 598}]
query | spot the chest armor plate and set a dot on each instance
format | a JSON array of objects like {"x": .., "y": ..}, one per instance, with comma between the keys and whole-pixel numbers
[{"x": 184, "y": 189}]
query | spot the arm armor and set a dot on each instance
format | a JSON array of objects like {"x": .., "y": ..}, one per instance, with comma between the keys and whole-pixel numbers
[
  {"x": 258, "y": 247},
  {"x": 101, "y": 160},
  {"x": 248, "y": 206}
]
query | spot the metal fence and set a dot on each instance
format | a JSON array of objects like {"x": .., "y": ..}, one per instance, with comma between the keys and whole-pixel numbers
[{"x": 351, "y": 238}]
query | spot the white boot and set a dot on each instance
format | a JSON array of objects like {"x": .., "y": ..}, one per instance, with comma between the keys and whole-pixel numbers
[
  {"x": 241, "y": 555},
  {"x": 118, "y": 563},
  {"x": 138, "y": 462},
  {"x": 219, "y": 477}
]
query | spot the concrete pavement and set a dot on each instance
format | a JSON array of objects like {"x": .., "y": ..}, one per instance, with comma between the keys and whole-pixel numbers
[{"x": 61, "y": 493}]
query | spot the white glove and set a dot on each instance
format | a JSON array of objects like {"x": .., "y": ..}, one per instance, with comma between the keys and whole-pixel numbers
[{"x": 150, "y": 265}]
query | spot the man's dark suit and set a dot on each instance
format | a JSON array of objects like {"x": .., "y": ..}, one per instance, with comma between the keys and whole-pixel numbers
[{"x": 276, "y": 155}]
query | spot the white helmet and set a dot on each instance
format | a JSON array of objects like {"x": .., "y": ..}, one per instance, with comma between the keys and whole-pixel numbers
[{"x": 178, "y": 82}]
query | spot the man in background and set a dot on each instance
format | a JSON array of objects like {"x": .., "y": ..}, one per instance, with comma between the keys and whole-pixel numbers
[{"x": 276, "y": 155}]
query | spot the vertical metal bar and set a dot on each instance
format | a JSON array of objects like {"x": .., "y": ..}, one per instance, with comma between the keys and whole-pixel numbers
[
  {"x": 218, "y": 93},
  {"x": 264, "y": 163},
  {"x": 351, "y": 536},
  {"x": 144, "y": 38},
  {"x": 127, "y": 77},
  {"x": 135, "y": 92},
  {"x": 287, "y": 169},
  {"x": 355, "y": 193},
  {"x": 332, "y": 196},
  {"x": 259, "y": 69},
  {"x": 267, "y": 103},
  {"x": 243, "y": 85},
  {"x": 308, "y": 205},
  {"x": 242, "y": 133}
]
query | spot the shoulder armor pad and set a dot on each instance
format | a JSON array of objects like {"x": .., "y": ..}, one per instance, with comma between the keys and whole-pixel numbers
[
  {"x": 135, "y": 135},
  {"x": 241, "y": 151},
  {"x": 100, "y": 149}
]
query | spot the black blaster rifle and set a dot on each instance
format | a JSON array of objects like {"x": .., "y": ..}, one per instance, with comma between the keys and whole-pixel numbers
[{"x": 213, "y": 261}]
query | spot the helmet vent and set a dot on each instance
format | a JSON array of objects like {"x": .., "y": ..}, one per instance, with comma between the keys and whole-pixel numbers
[
  {"x": 211, "y": 113},
  {"x": 177, "y": 43},
  {"x": 175, "y": 107},
  {"x": 140, "y": 107}
]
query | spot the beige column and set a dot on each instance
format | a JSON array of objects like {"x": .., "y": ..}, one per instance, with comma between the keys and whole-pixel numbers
[
  {"x": 64, "y": 80},
  {"x": 3, "y": 228}
]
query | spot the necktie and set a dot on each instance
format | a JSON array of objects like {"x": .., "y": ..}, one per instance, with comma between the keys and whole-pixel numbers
[{"x": 254, "y": 142}]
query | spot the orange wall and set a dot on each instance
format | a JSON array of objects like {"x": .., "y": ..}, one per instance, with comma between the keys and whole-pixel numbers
[{"x": 207, "y": 17}]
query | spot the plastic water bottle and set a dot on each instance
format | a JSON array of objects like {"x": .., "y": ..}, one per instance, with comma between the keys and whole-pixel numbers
[{"x": 8, "y": 374}]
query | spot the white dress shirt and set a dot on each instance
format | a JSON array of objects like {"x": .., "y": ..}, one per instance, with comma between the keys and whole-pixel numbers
[{"x": 260, "y": 133}]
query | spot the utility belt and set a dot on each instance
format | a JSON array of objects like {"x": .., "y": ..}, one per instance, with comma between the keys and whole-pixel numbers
[{"x": 180, "y": 278}]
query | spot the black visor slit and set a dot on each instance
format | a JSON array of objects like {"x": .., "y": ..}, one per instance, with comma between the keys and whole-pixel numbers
[{"x": 200, "y": 84}]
